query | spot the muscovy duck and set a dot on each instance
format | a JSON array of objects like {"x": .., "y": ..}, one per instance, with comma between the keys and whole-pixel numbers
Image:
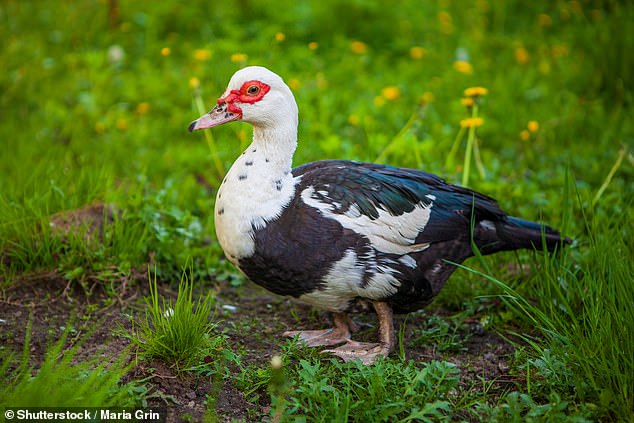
[{"x": 341, "y": 235}]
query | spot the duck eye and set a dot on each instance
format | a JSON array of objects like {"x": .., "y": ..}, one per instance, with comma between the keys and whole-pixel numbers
[{"x": 253, "y": 90}]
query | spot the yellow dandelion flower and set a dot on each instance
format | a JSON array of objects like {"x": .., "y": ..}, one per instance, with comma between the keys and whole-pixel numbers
[
  {"x": 100, "y": 128},
  {"x": 525, "y": 135},
  {"x": 463, "y": 67},
  {"x": 379, "y": 101},
  {"x": 533, "y": 126},
  {"x": 475, "y": 91},
  {"x": 313, "y": 45},
  {"x": 142, "y": 108},
  {"x": 165, "y": 51},
  {"x": 239, "y": 57},
  {"x": 544, "y": 20},
  {"x": 322, "y": 82},
  {"x": 483, "y": 5},
  {"x": 559, "y": 50},
  {"x": 564, "y": 14},
  {"x": 202, "y": 54},
  {"x": 294, "y": 84},
  {"x": 391, "y": 93},
  {"x": 446, "y": 23},
  {"x": 417, "y": 52},
  {"x": 280, "y": 36},
  {"x": 471, "y": 122},
  {"x": 122, "y": 124},
  {"x": 467, "y": 102},
  {"x": 427, "y": 97},
  {"x": 521, "y": 55},
  {"x": 596, "y": 14},
  {"x": 359, "y": 47},
  {"x": 194, "y": 82},
  {"x": 353, "y": 120},
  {"x": 444, "y": 17}
]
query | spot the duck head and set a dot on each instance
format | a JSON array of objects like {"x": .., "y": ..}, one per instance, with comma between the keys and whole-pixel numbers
[{"x": 254, "y": 95}]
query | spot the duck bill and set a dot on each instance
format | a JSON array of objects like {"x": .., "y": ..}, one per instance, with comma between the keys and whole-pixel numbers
[{"x": 217, "y": 116}]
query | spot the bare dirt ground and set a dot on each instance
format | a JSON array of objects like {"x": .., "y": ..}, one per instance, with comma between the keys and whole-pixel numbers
[{"x": 253, "y": 328}]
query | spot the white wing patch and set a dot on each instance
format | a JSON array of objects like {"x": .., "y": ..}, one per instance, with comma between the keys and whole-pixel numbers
[
  {"x": 344, "y": 282},
  {"x": 408, "y": 261},
  {"x": 387, "y": 233}
]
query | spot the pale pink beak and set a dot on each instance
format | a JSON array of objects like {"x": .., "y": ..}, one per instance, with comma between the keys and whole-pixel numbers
[{"x": 217, "y": 116}]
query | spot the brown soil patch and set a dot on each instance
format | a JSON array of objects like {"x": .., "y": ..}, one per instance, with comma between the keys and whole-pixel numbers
[{"x": 253, "y": 325}]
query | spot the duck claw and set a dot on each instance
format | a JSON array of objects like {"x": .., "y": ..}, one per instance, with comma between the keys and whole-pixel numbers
[
  {"x": 339, "y": 334},
  {"x": 366, "y": 352},
  {"x": 320, "y": 338}
]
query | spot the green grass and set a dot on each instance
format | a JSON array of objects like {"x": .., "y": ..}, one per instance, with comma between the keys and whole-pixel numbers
[
  {"x": 63, "y": 380},
  {"x": 361, "y": 393},
  {"x": 95, "y": 108},
  {"x": 304, "y": 387},
  {"x": 445, "y": 335},
  {"x": 179, "y": 333},
  {"x": 582, "y": 310},
  {"x": 587, "y": 318}
]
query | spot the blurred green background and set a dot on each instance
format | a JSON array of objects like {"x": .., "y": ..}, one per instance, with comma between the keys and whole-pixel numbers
[{"x": 96, "y": 97}]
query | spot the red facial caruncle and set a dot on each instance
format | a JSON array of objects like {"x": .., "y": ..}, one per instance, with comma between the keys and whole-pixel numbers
[{"x": 250, "y": 92}]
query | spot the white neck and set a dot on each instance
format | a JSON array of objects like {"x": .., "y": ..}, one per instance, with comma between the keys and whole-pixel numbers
[
  {"x": 278, "y": 144},
  {"x": 256, "y": 189}
]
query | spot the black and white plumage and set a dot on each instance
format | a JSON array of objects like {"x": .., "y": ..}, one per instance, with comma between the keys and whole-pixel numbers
[{"x": 344, "y": 235}]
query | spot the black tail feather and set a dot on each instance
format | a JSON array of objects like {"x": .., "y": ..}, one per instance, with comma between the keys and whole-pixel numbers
[
  {"x": 512, "y": 233},
  {"x": 519, "y": 233}
]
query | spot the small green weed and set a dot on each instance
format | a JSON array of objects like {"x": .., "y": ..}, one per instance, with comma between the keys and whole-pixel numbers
[
  {"x": 444, "y": 335},
  {"x": 388, "y": 391},
  {"x": 308, "y": 387},
  {"x": 177, "y": 235},
  {"x": 62, "y": 381},
  {"x": 519, "y": 407},
  {"x": 178, "y": 333}
]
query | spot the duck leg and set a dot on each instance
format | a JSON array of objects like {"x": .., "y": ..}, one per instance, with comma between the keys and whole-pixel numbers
[
  {"x": 368, "y": 352},
  {"x": 339, "y": 334}
]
